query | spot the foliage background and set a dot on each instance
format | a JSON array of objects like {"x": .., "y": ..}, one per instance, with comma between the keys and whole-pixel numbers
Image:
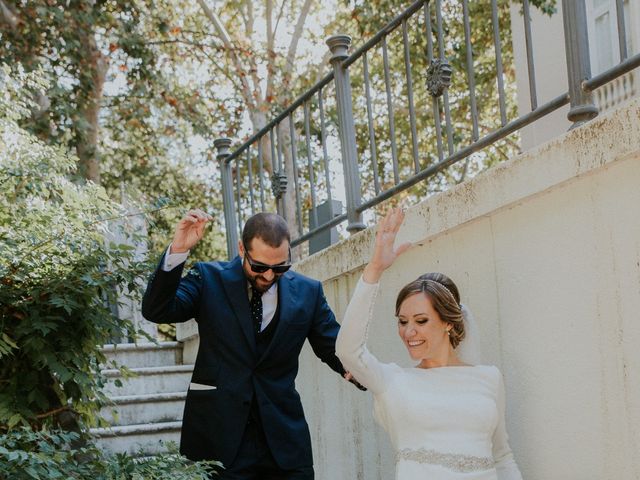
[{"x": 60, "y": 275}]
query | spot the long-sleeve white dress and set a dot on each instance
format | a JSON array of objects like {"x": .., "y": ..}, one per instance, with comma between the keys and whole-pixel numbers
[{"x": 445, "y": 423}]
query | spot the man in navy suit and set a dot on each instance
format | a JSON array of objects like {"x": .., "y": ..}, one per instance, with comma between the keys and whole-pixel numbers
[{"x": 253, "y": 316}]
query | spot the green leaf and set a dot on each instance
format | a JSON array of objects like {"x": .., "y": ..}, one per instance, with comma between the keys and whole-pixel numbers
[
  {"x": 14, "y": 420},
  {"x": 7, "y": 339}
]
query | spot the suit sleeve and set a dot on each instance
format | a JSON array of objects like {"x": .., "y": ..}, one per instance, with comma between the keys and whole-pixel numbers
[
  {"x": 170, "y": 298},
  {"x": 505, "y": 464},
  {"x": 323, "y": 333}
]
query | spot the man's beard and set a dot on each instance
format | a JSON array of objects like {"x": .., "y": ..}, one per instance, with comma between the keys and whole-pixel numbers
[{"x": 261, "y": 288}]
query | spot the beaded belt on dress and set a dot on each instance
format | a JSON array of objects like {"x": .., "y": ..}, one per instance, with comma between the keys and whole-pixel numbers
[{"x": 453, "y": 461}]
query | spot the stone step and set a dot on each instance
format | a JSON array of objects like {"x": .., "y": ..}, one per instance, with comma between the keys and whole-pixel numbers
[
  {"x": 139, "y": 439},
  {"x": 148, "y": 408},
  {"x": 148, "y": 380},
  {"x": 144, "y": 354}
]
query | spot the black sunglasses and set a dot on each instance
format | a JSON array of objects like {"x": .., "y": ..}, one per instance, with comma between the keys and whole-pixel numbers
[{"x": 258, "y": 267}]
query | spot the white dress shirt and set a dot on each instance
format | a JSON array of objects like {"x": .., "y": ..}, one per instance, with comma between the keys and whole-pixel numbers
[{"x": 269, "y": 298}]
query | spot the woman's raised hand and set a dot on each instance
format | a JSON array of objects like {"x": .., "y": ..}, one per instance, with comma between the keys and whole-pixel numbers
[
  {"x": 384, "y": 251},
  {"x": 189, "y": 230}
]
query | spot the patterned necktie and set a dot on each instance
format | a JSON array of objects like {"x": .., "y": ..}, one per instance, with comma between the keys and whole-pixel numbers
[{"x": 255, "y": 306}]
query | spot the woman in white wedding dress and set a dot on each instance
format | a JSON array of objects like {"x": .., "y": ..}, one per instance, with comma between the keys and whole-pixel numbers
[{"x": 445, "y": 417}]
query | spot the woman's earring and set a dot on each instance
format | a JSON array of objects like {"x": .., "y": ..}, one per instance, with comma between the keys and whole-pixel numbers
[{"x": 448, "y": 331}]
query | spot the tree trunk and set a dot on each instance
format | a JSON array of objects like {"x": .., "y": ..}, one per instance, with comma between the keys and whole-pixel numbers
[
  {"x": 90, "y": 96},
  {"x": 290, "y": 206},
  {"x": 259, "y": 121},
  {"x": 258, "y": 105}
]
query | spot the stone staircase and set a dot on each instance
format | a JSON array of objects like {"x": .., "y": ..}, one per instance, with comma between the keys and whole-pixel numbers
[{"x": 147, "y": 408}]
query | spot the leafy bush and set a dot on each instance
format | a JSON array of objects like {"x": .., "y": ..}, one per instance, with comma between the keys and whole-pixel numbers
[
  {"x": 27, "y": 454},
  {"x": 59, "y": 278}
]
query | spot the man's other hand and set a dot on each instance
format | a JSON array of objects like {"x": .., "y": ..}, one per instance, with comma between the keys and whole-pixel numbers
[
  {"x": 349, "y": 378},
  {"x": 189, "y": 230}
]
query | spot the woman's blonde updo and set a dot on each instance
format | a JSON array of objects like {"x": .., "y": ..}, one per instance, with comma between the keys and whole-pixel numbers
[{"x": 445, "y": 298}]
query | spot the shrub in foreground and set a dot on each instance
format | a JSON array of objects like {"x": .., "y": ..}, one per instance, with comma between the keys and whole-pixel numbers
[
  {"x": 26, "y": 454},
  {"x": 59, "y": 277}
]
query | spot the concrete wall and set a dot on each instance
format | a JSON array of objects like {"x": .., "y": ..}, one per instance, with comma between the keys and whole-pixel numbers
[{"x": 546, "y": 251}]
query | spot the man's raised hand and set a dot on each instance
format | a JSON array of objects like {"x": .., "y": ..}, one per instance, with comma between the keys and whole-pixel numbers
[{"x": 189, "y": 230}]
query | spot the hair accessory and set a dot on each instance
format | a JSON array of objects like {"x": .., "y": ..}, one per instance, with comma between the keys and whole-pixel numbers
[{"x": 442, "y": 285}]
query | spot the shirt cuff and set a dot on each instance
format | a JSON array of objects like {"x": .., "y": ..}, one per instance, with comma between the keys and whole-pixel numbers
[
  {"x": 363, "y": 285},
  {"x": 365, "y": 290},
  {"x": 172, "y": 260}
]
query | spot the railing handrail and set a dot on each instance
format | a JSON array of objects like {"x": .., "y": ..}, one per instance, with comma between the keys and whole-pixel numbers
[
  {"x": 580, "y": 86},
  {"x": 281, "y": 116},
  {"x": 612, "y": 73},
  {"x": 558, "y": 102}
]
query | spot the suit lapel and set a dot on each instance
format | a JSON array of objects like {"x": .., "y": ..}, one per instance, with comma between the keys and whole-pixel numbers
[
  {"x": 286, "y": 297},
  {"x": 235, "y": 285}
]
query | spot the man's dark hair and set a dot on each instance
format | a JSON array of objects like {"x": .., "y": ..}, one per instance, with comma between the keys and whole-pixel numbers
[{"x": 269, "y": 227}]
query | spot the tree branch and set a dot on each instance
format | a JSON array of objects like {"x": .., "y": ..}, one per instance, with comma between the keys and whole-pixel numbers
[
  {"x": 275, "y": 29},
  {"x": 465, "y": 169},
  {"x": 226, "y": 40},
  {"x": 271, "y": 48},
  {"x": 487, "y": 129},
  {"x": 17, "y": 263},
  {"x": 150, "y": 96},
  {"x": 127, "y": 215},
  {"x": 250, "y": 18},
  {"x": 323, "y": 67},
  {"x": 55, "y": 411},
  {"x": 295, "y": 38},
  {"x": 198, "y": 32},
  {"x": 8, "y": 16},
  {"x": 179, "y": 41},
  {"x": 253, "y": 66},
  {"x": 271, "y": 54},
  {"x": 223, "y": 71}
]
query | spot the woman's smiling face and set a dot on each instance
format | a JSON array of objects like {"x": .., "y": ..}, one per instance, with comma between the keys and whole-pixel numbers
[{"x": 421, "y": 328}]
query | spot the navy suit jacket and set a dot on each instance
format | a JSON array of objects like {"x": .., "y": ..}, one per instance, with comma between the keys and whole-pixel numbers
[{"x": 215, "y": 294}]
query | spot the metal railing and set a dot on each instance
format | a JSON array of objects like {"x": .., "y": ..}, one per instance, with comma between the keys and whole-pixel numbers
[{"x": 394, "y": 159}]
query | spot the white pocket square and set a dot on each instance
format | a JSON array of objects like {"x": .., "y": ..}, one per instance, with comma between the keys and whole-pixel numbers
[{"x": 201, "y": 386}]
